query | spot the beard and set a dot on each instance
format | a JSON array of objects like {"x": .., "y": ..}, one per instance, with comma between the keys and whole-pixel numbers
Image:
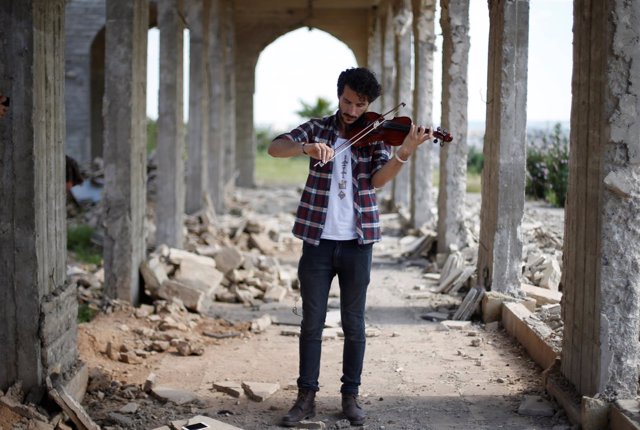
[{"x": 350, "y": 121}]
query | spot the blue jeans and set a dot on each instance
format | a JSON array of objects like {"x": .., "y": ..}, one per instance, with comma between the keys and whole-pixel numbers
[{"x": 317, "y": 268}]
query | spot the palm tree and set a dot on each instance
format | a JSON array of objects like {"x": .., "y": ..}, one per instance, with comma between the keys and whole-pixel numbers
[{"x": 322, "y": 108}]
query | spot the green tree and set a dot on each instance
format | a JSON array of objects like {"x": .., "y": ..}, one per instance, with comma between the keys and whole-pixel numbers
[
  {"x": 548, "y": 165},
  {"x": 322, "y": 108}
]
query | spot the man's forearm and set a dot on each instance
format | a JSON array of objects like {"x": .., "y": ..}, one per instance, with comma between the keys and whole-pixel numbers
[
  {"x": 389, "y": 170},
  {"x": 285, "y": 148}
]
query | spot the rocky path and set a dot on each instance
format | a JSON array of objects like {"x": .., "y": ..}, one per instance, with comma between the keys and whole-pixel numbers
[{"x": 418, "y": 374}]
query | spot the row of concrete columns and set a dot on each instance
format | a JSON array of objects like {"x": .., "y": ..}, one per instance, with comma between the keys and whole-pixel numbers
[{"x": 402, "y": 30}]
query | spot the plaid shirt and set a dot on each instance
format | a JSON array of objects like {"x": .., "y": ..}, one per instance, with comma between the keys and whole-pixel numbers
[{"x": 314, "y": 201}]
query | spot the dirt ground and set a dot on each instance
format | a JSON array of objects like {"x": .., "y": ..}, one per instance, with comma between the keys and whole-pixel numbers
[{"x": 418, "y": 374}]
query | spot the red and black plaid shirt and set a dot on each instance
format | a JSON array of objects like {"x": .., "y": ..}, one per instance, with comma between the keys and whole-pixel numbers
[{"x": 365, "y": 161}]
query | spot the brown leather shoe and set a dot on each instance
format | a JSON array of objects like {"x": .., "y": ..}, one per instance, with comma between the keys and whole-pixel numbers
[
  {"x": 352, "y": 410},
  {"x": 304, "y": 408}
]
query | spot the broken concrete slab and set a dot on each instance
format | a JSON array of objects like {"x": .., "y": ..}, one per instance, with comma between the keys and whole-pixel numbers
[
  {"x": 260, "y": 391},
  {"x": 228, "y": 258},
  {"x": 198, "y": 275},
  {"x": 192, "y": 298},
  {"x": 551, "y": 275},
  {"x": 232, "y": 388},
  {"x": 274, "y": 293},
  {"x": 173, "y": 395},
  {"x": 153, "y": 273},
  {"x": 262, "y": 242},
  {"x": 456, "y": 325},
  {"x": 514, "y": 320},
  {"x": 622, "y": 414},
  {"x": 541, "y": 295},
  {"x": 69, "y": 405},
  {"x": 260, "y": 324},
  {"x": 594, "y": 413},
  {"x": 149, "y": 383}
]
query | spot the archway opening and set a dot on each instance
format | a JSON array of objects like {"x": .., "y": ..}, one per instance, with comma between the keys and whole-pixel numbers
[{"x": 298, "y": 68}]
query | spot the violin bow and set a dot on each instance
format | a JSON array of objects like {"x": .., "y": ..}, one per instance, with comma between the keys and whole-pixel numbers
[{"x": 362, "y": 133}]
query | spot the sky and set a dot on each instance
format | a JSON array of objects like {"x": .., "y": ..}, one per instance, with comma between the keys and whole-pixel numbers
[{"x": 279, "y": 90}]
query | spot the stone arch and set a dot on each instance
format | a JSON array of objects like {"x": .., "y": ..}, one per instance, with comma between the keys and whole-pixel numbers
[{"x": 84, "y": 80}]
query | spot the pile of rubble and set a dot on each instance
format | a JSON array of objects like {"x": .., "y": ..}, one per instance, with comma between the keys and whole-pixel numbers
[
  {"x": 455, "y": 272},
  {"x": 228, "y": 262}
]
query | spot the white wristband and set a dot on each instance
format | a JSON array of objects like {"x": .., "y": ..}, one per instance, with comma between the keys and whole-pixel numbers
[{"x": 400, "y": 159}]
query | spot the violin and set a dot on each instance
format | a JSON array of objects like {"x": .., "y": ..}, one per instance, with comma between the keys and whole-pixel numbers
[
  {"x": 392, "y": 131},
  {"x": 372, "y": 127}
]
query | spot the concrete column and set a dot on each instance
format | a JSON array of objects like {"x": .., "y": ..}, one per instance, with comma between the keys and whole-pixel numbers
[
  {"x": 125, "y": 146},
  {"x": 503, "y": 176},
  {"x": 454, "y": 20},
  {"x": 198, "y": 127},
  {"x": 37, "y": 308},
  {"x": 388, "y": 99},
  {"x": 374, "y": 54},
  {"x": 84, "y": 20},
  {"x": 403, "y": 29},
  {"x": 229, "y": 94},
  {"x": 389, "y": 80},
  {"x": 422, "y": 205},
  {"x": 246, "y": 138},
  {"x": 216, "y": 147},
  {"x": 601, "y": 274},
  {"x": 171, "y": 145}
]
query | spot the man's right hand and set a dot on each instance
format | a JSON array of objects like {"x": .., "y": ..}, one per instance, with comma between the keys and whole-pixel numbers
[{"x": 319, "y": 151}]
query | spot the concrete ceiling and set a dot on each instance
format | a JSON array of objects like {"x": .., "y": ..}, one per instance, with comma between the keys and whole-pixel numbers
[{"x": 260, "y": 22}]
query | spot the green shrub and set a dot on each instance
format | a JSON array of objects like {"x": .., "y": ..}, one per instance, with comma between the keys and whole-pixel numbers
[
  {"x": 152, "y": 135},
  {"x": 79, "y": 242},
  {"x": 537, "y": 174},
  {"x": 85, "y": 313},
  {"x": 548, "y": 166},
  {"x": 475, "y": 160}
]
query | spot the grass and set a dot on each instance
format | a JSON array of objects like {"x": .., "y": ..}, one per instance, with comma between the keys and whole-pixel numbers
[
  {"x": 85, "y": 313},
  {"x": 79, "y": 242},
  {"x": 293, "y": 171},
  {"x": 281, "y": 171},
  {"x": 474, "y": 184}
]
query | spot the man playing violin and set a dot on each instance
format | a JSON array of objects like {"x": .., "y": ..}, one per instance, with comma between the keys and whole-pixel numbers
[{"x": 338, "y": 221}]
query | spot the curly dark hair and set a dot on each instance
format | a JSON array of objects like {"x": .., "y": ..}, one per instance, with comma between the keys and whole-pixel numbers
[{"x": 362, "y": 81}]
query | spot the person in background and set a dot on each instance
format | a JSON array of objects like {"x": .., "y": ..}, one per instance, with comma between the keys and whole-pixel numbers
[
  {"x": 338, "y": 221},
  {"x": 4, "y": 105}
]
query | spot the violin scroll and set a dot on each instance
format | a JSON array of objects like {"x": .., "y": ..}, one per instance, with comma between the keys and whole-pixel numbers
[{"x": 441, "y": 135}]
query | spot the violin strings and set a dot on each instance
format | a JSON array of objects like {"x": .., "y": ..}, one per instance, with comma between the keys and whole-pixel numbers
[{"x": 350, "y": 142}]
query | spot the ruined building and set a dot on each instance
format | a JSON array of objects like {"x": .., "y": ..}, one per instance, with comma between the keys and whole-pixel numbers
[{"x": 76, "y": 71}]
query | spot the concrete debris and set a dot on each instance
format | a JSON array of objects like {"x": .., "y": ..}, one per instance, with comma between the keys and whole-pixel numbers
[
  {"x": 536, "y": 406},
  {"x": 69, "y": 405},
  {"x": 173, "y": 395},
  {"x": 456, "y": 325},
  {"x": 260, "y": 391},
  {"x": 230, "y": 263},
  {"x": 259, "y": 325},
  {"x": 149, "y": 383},
  {"x": 232, "y": 388}
]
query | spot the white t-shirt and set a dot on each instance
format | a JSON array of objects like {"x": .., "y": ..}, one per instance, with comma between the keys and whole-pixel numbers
[{"x": 340, "y": 223}]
